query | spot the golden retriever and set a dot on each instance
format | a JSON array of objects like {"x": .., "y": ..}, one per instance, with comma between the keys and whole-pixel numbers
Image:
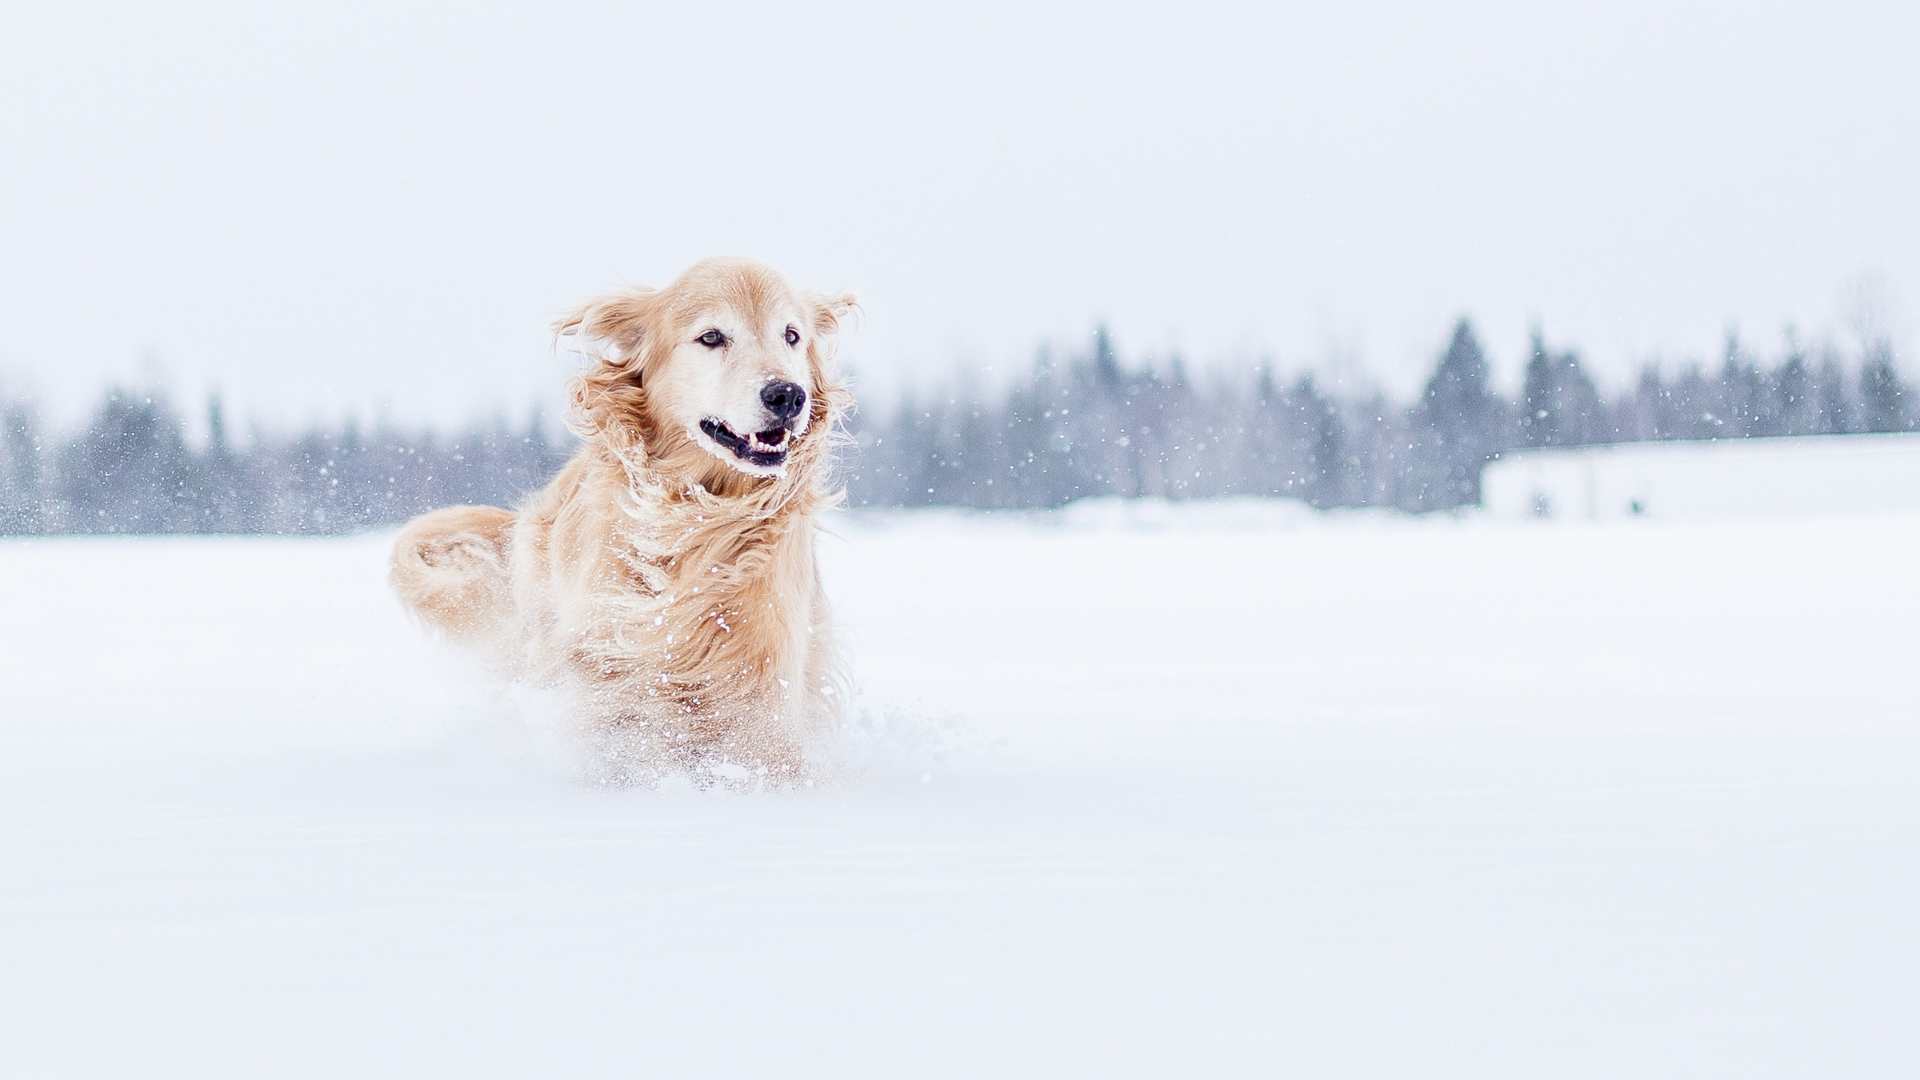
[{"x": 666, "y": 578}]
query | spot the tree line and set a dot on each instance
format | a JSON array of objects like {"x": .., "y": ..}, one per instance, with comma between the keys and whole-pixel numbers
[
  {"x": 1078, "y": 425},
  {"x": 131, "y": 469},
  {"x": 1087, "y": 424}
]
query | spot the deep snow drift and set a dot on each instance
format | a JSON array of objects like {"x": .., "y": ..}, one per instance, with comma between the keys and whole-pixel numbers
[{"x": 1188, "y": 790}]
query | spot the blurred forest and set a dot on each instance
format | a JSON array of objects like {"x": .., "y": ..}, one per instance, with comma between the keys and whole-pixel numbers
[
  {"x": 1078, "y": 425},
  {"x": 133, "y": 470}
]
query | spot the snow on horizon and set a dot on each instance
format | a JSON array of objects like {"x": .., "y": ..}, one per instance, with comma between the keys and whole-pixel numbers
[{"x": 1145, "y": 789}]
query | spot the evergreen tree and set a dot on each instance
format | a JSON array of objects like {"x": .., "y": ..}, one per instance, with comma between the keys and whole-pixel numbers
[
  {"x": 1795, "y": 406},
  {"x": 1745, "y": 396},
  {"x": 1458, "y": 422},
  {"x": 22, "y": 499},
  {"x": 223, "y": 497},
  {"x": 1833, "y": 407},
  {"x": 1321, "y": 450},
  {"x": 1885, "y": 402},
  {"x": 1643, "y": 415},
  {"x": 1560, "y": 406}
]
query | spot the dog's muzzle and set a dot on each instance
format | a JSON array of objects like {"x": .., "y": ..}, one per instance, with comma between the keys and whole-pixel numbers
[
  {"x": 766, "y": 449},
  {"x": 784, "y": 402}
]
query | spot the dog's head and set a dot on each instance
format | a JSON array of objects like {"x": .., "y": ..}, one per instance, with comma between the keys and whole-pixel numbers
[{"x": 729, "y": 361}]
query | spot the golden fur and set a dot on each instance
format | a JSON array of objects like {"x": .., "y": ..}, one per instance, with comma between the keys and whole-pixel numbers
[{"x": 671, "y": 590}]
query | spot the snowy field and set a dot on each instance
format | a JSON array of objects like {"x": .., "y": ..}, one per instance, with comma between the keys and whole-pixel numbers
[{"x": 1208, "y": 790}]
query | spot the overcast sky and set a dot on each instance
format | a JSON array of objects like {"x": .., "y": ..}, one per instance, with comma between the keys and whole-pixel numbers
[{"x": 383, "y": 205}]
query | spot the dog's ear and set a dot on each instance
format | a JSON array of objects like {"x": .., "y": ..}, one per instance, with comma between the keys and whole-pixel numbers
[
  {"x": 611, "y": 332},
  {"x": 611, "y": 329},
  {"x": 829, "y": 312},
  {"x": 831, "y": 315}
]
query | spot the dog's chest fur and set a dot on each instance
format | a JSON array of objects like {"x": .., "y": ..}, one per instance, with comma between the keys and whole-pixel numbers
[{"x": 679, "y": 605}]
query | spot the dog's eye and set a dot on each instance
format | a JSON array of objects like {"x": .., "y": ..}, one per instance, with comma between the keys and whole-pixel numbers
[
  {"x": 793, "y": 336},
  {"x": 712, "y": 339}
]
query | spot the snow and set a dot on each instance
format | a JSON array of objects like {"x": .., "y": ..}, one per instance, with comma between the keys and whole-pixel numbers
[
  {"x": 1804, "y": 476},
  {"x": 1150, "y": 789}
]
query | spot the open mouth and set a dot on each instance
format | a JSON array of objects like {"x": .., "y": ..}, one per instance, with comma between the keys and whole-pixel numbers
[{"x": 766, "y": 449}]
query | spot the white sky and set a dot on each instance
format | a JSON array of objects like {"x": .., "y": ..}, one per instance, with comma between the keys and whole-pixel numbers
[{"x": 378, "y": 205}]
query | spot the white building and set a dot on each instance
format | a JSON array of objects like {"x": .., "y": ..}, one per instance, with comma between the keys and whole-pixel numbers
[{"x": 1810, "y": 475}]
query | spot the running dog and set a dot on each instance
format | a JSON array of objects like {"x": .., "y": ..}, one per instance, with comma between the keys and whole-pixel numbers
[{"x": 666, "y": 579}]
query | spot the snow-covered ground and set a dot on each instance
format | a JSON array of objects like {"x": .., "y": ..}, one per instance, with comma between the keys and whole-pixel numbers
[{"x": 1161, "y": 791}]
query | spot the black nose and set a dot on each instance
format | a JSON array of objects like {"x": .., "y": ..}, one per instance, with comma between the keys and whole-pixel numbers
[{"x": 784, "y": 399}]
